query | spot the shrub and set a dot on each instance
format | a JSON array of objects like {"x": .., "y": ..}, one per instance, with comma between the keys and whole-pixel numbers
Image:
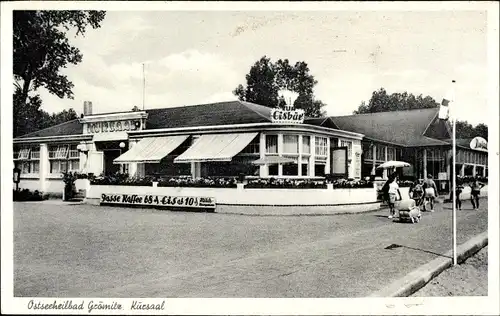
[{"x": 26, "y": 195}]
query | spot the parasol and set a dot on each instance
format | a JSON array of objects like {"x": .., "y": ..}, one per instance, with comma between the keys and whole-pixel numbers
[{"x": 393, "y": 164}]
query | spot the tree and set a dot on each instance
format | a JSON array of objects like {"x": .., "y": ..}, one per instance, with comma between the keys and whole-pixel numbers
[
  {"x": 266, "y": 78},
  {"x": 383, "y": 102},
  {"x": 481, "y": 130},
  {"x": 40, "y": 50}
]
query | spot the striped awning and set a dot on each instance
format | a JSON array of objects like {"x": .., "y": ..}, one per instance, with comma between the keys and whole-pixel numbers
[
  {"x": 151, "y": 149},
  {"x": 216, "y": 147}
]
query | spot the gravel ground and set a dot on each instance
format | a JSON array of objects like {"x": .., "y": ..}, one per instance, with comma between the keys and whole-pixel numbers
[
  {"x": 467, "y": 279},
  {"x": 68, "y": 250}
]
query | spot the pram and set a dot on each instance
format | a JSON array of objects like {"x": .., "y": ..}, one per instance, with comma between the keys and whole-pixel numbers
[{"x": 408, "y": 211}]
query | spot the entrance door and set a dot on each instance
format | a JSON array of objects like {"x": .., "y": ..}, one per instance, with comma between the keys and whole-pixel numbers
[{"x": 109, "y": 156}]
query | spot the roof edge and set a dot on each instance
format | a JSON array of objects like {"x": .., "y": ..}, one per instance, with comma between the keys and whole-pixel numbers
[{"x": 43, "y": 129}]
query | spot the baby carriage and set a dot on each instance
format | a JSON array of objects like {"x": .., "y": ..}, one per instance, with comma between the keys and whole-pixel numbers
[{"x": 409, "y": 211}]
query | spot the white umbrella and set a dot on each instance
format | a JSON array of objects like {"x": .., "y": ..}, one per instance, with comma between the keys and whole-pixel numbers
[{"x": 393, "y": 164}]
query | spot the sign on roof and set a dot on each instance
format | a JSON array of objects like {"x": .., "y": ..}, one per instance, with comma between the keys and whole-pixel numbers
[
  {"x": 479, "y": 143},
  {"x": 287, "y": 116}
]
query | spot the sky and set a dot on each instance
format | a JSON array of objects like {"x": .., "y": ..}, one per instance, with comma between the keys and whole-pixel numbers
[{"x": 195, "y": 57}]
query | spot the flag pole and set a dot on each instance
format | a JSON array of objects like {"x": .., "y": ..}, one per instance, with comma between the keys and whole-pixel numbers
[
  {"x": 454, "y": 216},
  {"x": 143, "y": 86}
]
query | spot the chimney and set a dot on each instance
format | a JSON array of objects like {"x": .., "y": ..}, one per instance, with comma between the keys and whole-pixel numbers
[{"x": 87, "y": 108}]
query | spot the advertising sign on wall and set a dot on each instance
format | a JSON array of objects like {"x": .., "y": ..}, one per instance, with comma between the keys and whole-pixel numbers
[
  {"x": 339, "y": 161},
  {"x": 479, "y": 143},
  {"x": 357, "y": 164},
  {"x": 288, "y": 115},
  {"x": 159, "y": 200}
]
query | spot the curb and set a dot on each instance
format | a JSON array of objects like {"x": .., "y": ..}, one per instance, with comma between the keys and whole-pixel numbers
[{"x": 418, "y": 278}]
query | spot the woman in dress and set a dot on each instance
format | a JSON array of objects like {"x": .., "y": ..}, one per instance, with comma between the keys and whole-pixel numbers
[{"x": 391, "y": 189}]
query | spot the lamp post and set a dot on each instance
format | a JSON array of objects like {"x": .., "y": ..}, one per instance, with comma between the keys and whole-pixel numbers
[
  {"x": 444, "y": 114},
  {"x": 454, "y": 216}
]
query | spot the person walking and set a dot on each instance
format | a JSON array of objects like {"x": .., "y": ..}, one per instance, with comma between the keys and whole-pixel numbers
[
  {"x": 430, "y": 189},
  {"x": 390, "y": 189},
  {"x": 475, "y": 190}
]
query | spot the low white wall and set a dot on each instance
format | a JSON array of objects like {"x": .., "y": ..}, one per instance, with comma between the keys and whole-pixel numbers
[
  {"x": 260, "y": 201},
  {"x": 240, "y": 196}
]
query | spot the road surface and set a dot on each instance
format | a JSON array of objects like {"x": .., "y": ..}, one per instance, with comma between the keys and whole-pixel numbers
[{"x": 93, "y": 251}]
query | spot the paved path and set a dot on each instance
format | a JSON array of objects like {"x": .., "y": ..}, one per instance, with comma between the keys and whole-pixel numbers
[{"x": 92, "y": 251}]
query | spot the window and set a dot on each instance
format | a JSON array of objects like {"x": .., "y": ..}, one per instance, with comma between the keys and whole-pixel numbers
[
  {"x": 348, "y": 144},
  {"x": 319, "y": 170},
  {"x": 273, "y": 170},
  {"x": 391, "y": 153},
  {"x": 28, "y": 160},
  {"x": 369, "y": 153},
  {"x": 291, "y": 144},
  {"x": 321, "y": 146},
  {"x": 306, "y": 144},
  {"x": 291, "y": 169},
  {"x": 381, "y": 153},
  {"x": 271, "y": 144},
  {"x": 253, "y": 147},
  {"x": 64, "y": 158}
]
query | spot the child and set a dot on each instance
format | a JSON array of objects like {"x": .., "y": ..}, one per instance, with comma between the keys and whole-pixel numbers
[
  {"x": 417, "y": 193},
  {"x": 459, "y": 188}
]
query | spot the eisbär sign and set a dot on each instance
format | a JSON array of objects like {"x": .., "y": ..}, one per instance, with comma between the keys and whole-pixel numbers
[
  {"x": 288, "y": 115},
  {"x": 159, "y": 200}
]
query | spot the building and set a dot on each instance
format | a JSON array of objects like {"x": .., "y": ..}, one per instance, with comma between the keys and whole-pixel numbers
[
  {"x": 208, "y": 140},
  {"x": 227, "y": 139},
  {"x": 418, "y": 137}
]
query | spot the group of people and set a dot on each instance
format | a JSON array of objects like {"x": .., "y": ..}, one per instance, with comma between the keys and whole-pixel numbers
[{"x": 424, "y": 193}]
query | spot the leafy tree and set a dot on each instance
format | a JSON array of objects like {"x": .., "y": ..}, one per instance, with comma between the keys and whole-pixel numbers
[
  {"x": 40, "y": 50},
  {"x": 481, "y": 130},
  {"x": 383, "y": 102},
  {"x": 266, "y": 78}
]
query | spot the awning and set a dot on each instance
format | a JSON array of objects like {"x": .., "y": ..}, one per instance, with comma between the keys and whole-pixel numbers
[
  {"x": 216, "y": 147},
  {"x": 110, "y": 136},
  {"x": 151, "y": 149}
]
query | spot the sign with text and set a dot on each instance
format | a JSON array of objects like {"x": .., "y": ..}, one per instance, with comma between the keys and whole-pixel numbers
[
  {"x": 159, "y": 200},
  {"x": 479, "y": 143},
  {"x": 357, "y": 164},
  {"x": 114, "y": 126},
  {"x": 287, "y": 116}
]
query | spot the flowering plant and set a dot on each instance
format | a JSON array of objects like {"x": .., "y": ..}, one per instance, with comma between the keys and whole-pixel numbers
[
  {"x": 121, "y": 179},
  {"x": 351, "y": 184},
  {"x": 468, "y": 179},
  {"x": 199, "y": 182},
  {"x": 285, "y": 184}
]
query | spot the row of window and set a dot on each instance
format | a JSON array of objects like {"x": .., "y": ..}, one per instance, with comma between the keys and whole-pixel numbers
[
  {"x": 62, "y": 158},
  {"x": 467, "y": 156},
  {"x": 291, "y": 145},
  {"x": 392, "y": 153}
]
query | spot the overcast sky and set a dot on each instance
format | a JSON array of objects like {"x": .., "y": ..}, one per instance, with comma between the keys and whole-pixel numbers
[{"x": 199, "y": 57}]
